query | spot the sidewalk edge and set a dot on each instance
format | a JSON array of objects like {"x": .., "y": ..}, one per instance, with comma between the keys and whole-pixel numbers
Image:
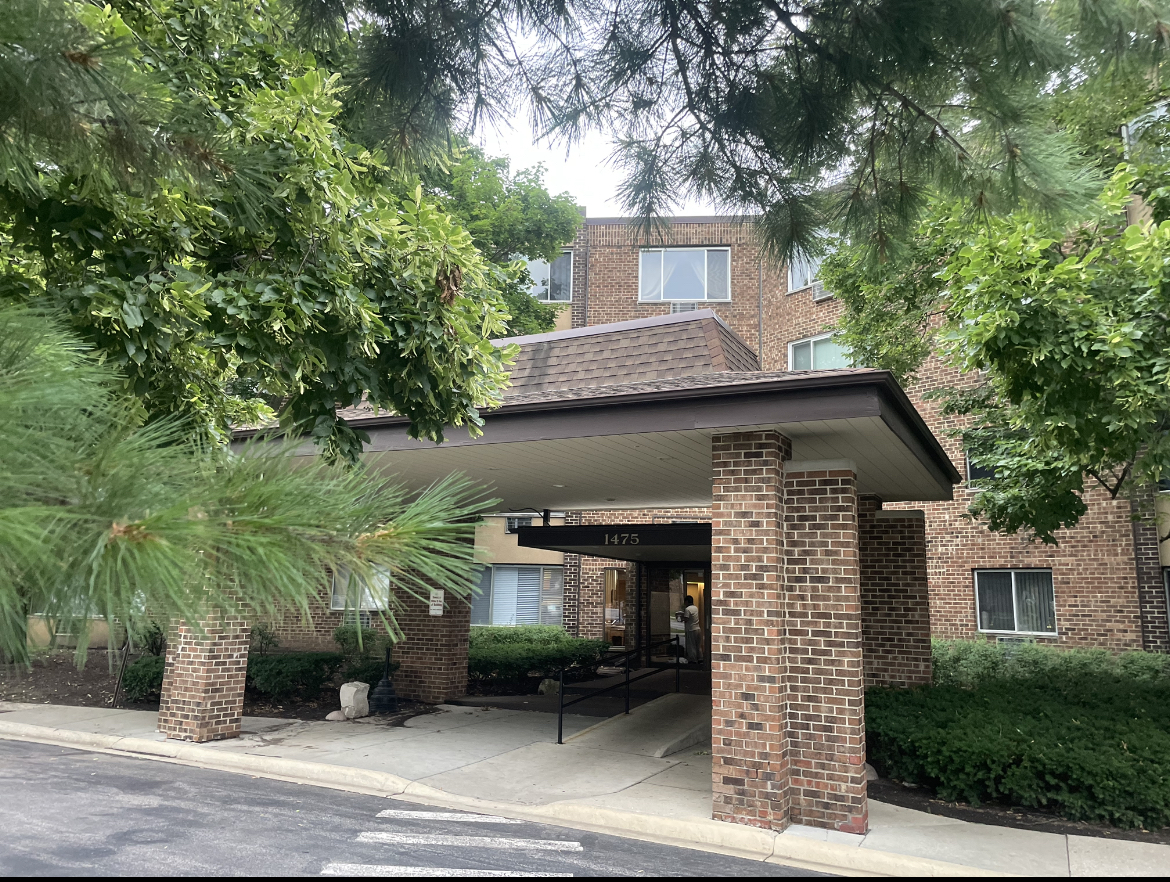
[{"x": 704, "y": 835}]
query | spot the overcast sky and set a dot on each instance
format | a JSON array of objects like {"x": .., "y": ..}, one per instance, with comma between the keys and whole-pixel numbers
[{"x": 585, "y": 173}]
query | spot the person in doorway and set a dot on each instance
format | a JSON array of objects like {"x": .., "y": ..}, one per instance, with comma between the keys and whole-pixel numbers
[{"x": 694, "y": 632}]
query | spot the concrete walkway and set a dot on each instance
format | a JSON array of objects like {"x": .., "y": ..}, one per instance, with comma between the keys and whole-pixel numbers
[{"x": 647, "y": 776}]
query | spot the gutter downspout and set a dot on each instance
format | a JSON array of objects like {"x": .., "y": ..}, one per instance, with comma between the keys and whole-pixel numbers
[{"x": 760, "y": 313}]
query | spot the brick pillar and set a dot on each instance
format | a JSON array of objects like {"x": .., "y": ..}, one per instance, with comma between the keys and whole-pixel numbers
[
  {"x": 203, "y": 682},
  {"x": 1151, "y": 588},
  {"x": 750, "y": 774},
  {"x": 895, "y": 597},
  {"x": 826, "y": 695},
  {"x": 432, "y": 655}
]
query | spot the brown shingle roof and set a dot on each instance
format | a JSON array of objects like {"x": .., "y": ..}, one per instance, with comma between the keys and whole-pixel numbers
[
  {"x": 626, "y": 352},
  {"x": 662, "y": 348}
]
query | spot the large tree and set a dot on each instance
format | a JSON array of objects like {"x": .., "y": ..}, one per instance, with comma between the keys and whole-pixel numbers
[
  {"x": 510, "y": 216},
  {"x": 180, "y": 183},
  {"x": 810, "y": 113},
  {"x": 103, "y": 517}
]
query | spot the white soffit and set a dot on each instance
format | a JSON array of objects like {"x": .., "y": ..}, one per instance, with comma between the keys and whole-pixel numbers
[{"x": 654, "y": 470}]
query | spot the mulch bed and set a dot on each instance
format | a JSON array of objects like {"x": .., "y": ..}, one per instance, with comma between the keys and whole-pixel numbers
[
  {"x": 921, "y": 799},
  {"x": 55, "y": 679}
]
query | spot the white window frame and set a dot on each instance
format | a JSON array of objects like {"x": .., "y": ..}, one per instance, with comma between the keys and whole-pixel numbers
[
  {"x": 812, "y": 349},
  {"x": 1015, "y": 614},
  {"x": 706, "y": 289},
  {"x": 564, "y": 251},
  {"x": 508, "y": 523}
]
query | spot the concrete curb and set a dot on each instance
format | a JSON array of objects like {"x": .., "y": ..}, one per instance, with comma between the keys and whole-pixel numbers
[{"x": 702, "y": 835}]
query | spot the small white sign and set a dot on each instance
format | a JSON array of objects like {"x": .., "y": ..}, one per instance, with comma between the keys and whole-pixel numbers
[{"x": 436, "y": 601}]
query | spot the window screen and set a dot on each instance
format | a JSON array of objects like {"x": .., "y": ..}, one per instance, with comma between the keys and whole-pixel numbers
[
  {"x": 1017, "y": 601},
  {"x": 686, "y": 275}
]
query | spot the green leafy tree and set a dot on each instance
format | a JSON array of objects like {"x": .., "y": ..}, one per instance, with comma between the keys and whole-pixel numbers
[
  {"x": 509, "y": 216},
  {"x": 268, "y": 258},
  {"x": 1061, "y": 333},
  {"x": 758, "y": 104},
  {"x": 100, "y": 516}
]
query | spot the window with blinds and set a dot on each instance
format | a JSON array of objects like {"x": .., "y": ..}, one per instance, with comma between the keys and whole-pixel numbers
[
  {"x": 1015, "y": 601},
  {"x": 519, "y": 595}
]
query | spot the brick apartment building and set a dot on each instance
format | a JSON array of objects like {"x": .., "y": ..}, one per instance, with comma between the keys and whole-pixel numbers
[{"x": 1103, "y": 585}]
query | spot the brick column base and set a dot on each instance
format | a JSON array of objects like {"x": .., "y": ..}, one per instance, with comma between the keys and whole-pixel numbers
[
  {"x": 788, "y": 715},
  {"x": 749, "y": 761},
  {"x": 432, "y": 654},
  {"x": 203, "y": 682}
]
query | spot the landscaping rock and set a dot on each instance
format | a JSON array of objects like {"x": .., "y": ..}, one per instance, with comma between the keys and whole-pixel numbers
[
  {"x": 870, "y": 773},
  {"x": 337, "y": 716},
  {"x": 549, "y": 686},
  {"x": 354, "y": 701}
]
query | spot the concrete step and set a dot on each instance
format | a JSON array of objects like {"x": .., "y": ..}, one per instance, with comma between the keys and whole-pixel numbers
[{"x": 659, "y": 728}]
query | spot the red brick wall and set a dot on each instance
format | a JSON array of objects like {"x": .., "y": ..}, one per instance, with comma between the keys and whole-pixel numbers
[
  {"x": 203, "y": 681},
  {"x": 1094, "y": 571},
  {"x": 1151, "y": 588},
  {"x": 826, "y": 697},
  {"x": 613, "y": 256},
  {"x": 749, "y": 659},
  {"x": 895, "y": 598},
  {"x": 432, "y": 653}
]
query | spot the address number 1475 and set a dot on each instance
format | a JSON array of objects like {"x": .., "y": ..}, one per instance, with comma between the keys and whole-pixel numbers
[{"x": 621, "y": 538}]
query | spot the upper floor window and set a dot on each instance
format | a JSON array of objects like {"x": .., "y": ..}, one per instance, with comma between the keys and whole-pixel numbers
[
  {"x": 1015, "y": 601},
  {"x": 802, "y": 273},
  {"x": 818, "y": 353},
  {"x": 977, "y": 473},
  {"x": 686, "y": 274},
  {"x": 552, "y": 283}
]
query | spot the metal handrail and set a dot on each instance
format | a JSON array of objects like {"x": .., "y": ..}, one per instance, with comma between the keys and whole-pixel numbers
[{"x": 637, "y": 650}]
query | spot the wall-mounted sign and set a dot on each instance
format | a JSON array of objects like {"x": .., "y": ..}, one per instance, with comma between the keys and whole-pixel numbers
[{"x": 436, "y": 602}]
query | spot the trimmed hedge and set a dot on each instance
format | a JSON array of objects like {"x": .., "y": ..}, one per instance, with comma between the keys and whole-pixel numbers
[
  {"x": 287, "y": 674},
  {"x": 1078, "y": 734},
  {"x": 144, "y": 678},
  {"x": 972, "y": 662},
  {"x": 516, "y": 654}
]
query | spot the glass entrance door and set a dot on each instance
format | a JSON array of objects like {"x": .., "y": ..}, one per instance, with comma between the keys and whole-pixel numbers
[{"x": 669, "y": 588}]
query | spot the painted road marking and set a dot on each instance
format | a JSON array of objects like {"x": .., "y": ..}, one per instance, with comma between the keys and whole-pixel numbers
[
  {"x": 379, "y": 870},
  {"x": 445, "y": 816},
  {"x": 470, "y": 841}
]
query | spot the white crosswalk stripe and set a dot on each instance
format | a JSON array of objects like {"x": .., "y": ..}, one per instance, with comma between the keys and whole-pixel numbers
[
  {"x": 401, "y": 815},
  {"x": 470, "y": 841},
  {"x": 418, "y": 872}
]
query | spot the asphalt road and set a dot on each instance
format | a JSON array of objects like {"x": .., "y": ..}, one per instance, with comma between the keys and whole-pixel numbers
[{"x": 69, "y": 812}]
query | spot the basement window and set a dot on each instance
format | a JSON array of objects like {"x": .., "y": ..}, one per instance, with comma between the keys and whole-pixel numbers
[{"x": 1015, "y": 602}]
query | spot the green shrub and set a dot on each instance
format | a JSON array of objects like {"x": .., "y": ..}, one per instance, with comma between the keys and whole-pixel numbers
[
  {"x": 969, "y": 663},
  {"x": 286, "y": 674},
  {"x": 150, "y": 638},
  {"x": 262, "y": 639},
  {"x": 514, "y": 654},
  {"x": 369, "y": 671},
  {"x": 363, "y": 657},
  {"x": 144, "y": 678},
  {"x": 1089, "y": 746}
]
